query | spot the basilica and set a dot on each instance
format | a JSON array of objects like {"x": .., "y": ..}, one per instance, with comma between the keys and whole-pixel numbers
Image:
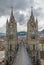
[
  {"x": 12, "y": 37},
  {"x": 32, "y": 37}
]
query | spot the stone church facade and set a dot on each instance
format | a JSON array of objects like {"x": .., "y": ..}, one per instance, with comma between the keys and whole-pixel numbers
[
  {"x": 32, "y": 36},
  {"x": 11, "y": 36}
]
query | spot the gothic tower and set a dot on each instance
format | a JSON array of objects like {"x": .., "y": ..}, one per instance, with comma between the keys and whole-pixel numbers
[
  {"x": 11, "y": 35},
  {"x": 32, "y": 35},
  {"x": 32, "y": 29}
]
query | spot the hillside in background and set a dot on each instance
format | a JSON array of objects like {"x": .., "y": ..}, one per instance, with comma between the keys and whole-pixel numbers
[{"x": 22, "y": 33}]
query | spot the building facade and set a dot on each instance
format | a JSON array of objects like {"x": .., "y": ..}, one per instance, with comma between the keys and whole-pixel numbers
[
  {"x": 41, "y": 46},
  {"x": 3, "y": 48},
  {"x": 11, "y": 36},
  {"x": 32, "y": 36}
]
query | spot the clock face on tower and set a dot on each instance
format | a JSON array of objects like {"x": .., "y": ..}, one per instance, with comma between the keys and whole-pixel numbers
[
  {"x": 11, "y": 34},
  {"x": 33, "y": 32}
]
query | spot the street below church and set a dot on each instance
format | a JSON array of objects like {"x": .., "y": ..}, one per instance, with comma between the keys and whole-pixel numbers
[{"x": 22, "y": 57}]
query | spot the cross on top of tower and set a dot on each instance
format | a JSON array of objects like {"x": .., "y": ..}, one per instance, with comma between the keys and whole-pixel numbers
[
  {"x": 31, "y": 11},
  {"x": 11, "y": 11}
]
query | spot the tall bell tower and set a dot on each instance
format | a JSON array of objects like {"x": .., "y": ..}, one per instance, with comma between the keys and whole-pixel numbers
[
  {"x": 32, "y": 36},
  {"x": 31, "y": 30},
  {"x": 11, "y": 35}
]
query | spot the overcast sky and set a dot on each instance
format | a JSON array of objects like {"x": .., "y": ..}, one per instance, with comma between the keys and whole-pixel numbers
[{"x": 22, "y": 9}]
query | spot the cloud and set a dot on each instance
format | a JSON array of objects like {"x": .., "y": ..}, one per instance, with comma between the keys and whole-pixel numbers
[
  {"x": 19, "y": 6},
  {"x": 21, "y": 27},
  {"x": 22, "y": 11},
  {"x": 3, "y": 20}
]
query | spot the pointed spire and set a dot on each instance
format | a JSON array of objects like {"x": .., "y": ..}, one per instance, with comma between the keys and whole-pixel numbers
[
  {"x": 6, "y": 25},
  {"x": 36, "y": 20},
  {"x": 37, "y": 23},
  {"x": 7, "y": 21},
  {"x": 11, "y": 11},
  {"x": 31, "y": 11}
]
